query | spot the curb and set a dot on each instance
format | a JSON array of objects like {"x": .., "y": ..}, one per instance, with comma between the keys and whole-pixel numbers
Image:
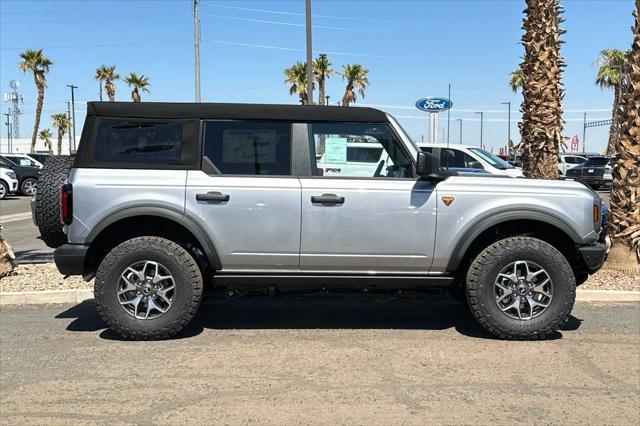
[{"x": 45, "y": 297}]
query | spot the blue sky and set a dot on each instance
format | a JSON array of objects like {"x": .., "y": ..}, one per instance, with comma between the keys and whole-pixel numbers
[{"x": 413, "y": 49}]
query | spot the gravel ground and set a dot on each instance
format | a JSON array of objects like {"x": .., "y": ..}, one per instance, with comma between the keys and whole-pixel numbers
[{"x": 46, "y": 277}]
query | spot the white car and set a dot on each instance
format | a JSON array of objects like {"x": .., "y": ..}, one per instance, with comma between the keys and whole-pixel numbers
[
  {"x": 568, "y": 162},
  {"x": 23, "y": 160},
  {"x": 8, "y": 182},
  {"x": 465, "y": 157}
]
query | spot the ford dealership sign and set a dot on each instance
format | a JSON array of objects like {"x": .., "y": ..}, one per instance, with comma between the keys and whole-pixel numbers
[{"x": 434, "y": 104}]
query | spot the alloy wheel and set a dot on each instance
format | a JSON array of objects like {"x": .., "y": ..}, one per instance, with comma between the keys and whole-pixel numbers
[
  {"x": 523, "y": 290},
  {"x": 146, "y": 290}
]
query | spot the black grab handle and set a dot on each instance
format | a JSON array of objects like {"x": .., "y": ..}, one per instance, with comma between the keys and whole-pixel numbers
[{"x": 212, "y": 196}]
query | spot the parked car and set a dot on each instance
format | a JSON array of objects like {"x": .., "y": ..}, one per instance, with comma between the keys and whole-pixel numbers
[
  {"x": 567, "y": 162},
  {"x": 41, "y": 157},
  {"x": 8, "y": 182},
  {"x": 27, "y": 176},
  {"x": 595, "y": 172},
  {"x": 23, "y": 160},
  {"x": 462, "y": 157},
  {"x": 163, "y": 198}
]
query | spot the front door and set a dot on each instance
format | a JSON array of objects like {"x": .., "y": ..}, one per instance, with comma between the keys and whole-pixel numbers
[
  {"x": 245, "y": 196},
  {"x": 383, "y": 223}
]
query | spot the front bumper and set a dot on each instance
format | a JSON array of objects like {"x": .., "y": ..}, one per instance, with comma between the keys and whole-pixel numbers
[
  {"x": 593, "y": 255},
  {"x": 70, "y": 258}
]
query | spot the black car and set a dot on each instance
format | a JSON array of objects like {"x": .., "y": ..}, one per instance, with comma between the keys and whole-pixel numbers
[
  {"x": 27, "y": 176},
  {"x": 40, "y": 157},
  {"x": 595, "y": 172}
]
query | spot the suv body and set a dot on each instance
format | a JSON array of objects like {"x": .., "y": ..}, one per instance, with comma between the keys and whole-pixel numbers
[
  {"x": 235, "y": 190},
  {"x": 8, "y": 182},
  {"x": 567, "y": 162},
  {"x": 27, "y": 175},
  {"x": 461, "y": 157}
]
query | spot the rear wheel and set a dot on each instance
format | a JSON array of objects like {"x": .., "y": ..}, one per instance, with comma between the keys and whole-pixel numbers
[
  {"x": 47, "y": 205},
  {"x": 148, "y": 288},
  {"x": 4, "y": 190},
  {"x": 521, "y": 288}
]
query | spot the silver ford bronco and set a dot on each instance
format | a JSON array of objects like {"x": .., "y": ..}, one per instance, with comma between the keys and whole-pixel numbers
[{"x": 163, "y": 198}]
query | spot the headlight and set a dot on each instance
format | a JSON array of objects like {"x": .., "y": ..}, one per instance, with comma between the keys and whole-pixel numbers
[{"x": 12, "y": 175}]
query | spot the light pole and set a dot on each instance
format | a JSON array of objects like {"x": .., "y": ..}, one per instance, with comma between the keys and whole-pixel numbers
[
  {"x": 196, "y": 47},
  {"x": 481, "y": 124},
  {"x": 69, "y": 116},
  {"x": 508, "y": 126},
  {"x": 327, "y": 100},
  {"x": 8, "y": 133},
  {"x": 73, "y": 110},
  {"x": 460, "y": 120},
  {"x": 584, "y": 134},
  {"x": 309, "y": 55}
]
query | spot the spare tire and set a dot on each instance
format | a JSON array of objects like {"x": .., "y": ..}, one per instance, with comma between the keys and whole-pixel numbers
[{"x": 47, "y": 205}]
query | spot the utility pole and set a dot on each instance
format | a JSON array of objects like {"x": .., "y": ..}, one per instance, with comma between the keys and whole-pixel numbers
[
  {"x": 309, "y": 56},
  {"x": 460, "y": 120},
  {"x": 196, "y": 45},
  {"x": 448, "y": 116},
  {"x": 481, "y": 124},
  {"x": 508, "y": 125},
  {"x": 69, "y": 131},
  {"x": 73, "y": 110},
  {"x": 584, "y": 134},
  {"x": 8, "y": 133}
]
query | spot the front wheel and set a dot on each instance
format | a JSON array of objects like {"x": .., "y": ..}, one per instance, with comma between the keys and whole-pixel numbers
[
  {"x": 148, "y": 288},
  {"x": 521, "y": 288},
  {"x": 4, "y": 190},
  {"x": 28, "y": 186}
]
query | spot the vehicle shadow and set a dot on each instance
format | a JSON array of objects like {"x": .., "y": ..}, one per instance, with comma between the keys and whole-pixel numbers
[{"x": 315, "y": 311}]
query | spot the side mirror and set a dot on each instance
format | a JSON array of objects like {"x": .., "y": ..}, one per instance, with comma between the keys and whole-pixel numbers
[{"x": 428, "y": 165}]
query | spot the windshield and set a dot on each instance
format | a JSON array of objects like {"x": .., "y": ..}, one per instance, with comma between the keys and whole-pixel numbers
[
  {"x": 597, "y": 161},
  {"x": 494, "y": 160}
]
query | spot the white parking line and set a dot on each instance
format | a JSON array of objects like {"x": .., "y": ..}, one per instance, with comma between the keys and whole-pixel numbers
[{"x": 15, "y": 217}]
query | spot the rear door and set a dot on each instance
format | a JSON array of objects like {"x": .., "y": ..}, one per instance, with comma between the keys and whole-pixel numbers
[
  {"x": 381, "y": 223},
  {"x": 246, "y": 196}
]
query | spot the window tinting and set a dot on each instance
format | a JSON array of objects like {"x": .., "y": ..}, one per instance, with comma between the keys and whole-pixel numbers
[
  {"x": 130, "y": 142},
  {"x": 249, "y": 147},
  {"x": 363, "y": 155}
]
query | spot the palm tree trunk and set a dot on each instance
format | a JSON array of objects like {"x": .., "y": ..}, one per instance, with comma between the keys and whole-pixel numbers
[
  {"x": 346, "y": 98},
  {"x": 321, "y": 97},
  {"x": 36, "y": 123},
  {"x": 135, "y": 96},
  {"x": 615, "y": 123},
  {"x": 59, "y": 143},
  {"x": 7, "y": 258},
  {"x": 100, "y": 81}
]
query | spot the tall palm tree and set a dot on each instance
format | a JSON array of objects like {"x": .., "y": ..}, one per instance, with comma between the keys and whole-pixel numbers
[
  {"x": 108, "y": 75},
  {"x": 542, "y": 123},
  {"x": 321, "y": 70},
  {"x": 516, "y": 79},
  {"x": 624, "y": 216},
  {"x": 356, "y": 76},
  {"x": 296, "y": 77},
  {"x": 45, "y": 135},
  {"x": 612, "y": 62},
  {"x": 61, "y": 121},
  {"x": 139, "y": 83},
  {"x": 34, "y": 61}
]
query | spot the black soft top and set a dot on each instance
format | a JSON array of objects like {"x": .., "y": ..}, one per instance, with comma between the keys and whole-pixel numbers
[{"x": 300, "y": 113}]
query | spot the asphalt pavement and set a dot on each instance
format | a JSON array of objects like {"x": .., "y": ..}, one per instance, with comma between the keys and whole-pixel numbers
[
  {"x": 319, "y": 359},
  {"x": 21, "y": 233}
]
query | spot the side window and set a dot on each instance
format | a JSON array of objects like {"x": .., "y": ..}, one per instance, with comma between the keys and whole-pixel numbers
[
  {"x": 248, "y": 147},
  {"x": 358, "y": 150},
  {"x": 131, "y": 142},
  {"x": 454, "y": 158}
]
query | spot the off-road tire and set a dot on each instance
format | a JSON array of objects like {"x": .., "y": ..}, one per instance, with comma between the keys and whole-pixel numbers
[
  {"x": 5, "y": 190},
  {"x": 47, "y": 207},
  {"x": 480, "y": 292},
  {"x": 188, "y": 294}
]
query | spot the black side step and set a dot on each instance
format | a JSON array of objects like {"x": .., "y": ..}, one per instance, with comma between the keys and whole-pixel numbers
[{"x": 332, "y": 281}]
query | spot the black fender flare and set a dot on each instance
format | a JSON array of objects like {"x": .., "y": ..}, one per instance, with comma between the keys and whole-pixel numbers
[
  {"x": 167, "y": 213},
  {"x": 479, "y": 226}
]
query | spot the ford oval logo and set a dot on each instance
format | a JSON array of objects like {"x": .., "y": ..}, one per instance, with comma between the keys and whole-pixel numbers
[{"x": 434, "y": 104}]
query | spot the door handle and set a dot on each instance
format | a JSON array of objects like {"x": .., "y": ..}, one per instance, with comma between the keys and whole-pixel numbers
[
  {"x": 327, "y": 199},
  {"x": 212, "y": 196}
]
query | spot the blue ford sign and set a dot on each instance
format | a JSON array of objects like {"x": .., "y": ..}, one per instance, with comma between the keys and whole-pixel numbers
[{"x": 434, "y": 104}]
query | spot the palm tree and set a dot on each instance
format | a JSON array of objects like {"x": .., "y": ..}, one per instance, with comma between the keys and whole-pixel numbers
[
  {"x": 139, "y": 83},
  {"x": 356, "y": 76},
  {"x": 61, "y": 122},
  {"x": 516, "y": 79},
  {"x": 542, "y": 92},
  {"x": 45, "y": 135},
  {"x": 612, "y": 62},
  {"x": 321, "y": 70},
  {"x": 296, "y": 76},
  {"x": 34, "y": 61},
  {"x": 624, "y": 216},
  {"x": 108, "y": 75}
]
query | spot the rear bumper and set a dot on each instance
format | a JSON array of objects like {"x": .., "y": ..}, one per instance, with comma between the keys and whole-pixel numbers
[
  {"x": 593, "y": 256},
  {"x": 69, "y": 258}
]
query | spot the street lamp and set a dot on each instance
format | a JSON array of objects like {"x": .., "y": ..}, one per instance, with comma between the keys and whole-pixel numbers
[
  {"x": 460, "y": 120},
  {"x": 73, "y": 111},
  {"x": 481, "y": 124},
  {"x": 309, "y": 54},
  {"x": 327, "y": 103},
  {"x": 508, "y": 125}
]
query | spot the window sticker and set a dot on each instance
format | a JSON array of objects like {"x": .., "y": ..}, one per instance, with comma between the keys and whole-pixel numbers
[
  {"x": 247, "y": 146},
  {"x": 335, "y": 150}
]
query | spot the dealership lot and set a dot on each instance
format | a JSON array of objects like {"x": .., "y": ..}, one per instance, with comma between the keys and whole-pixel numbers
[{"x": 370, "y": 359}]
